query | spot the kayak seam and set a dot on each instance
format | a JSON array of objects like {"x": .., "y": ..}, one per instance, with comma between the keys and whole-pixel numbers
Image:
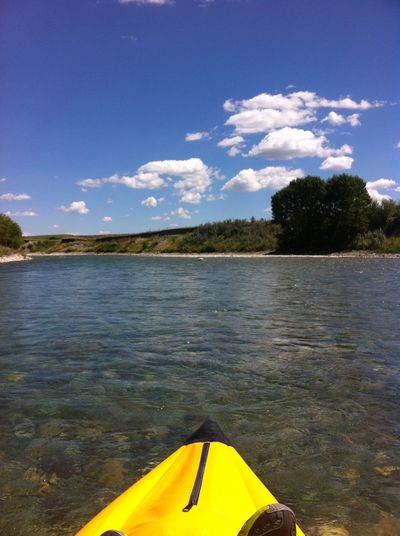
[{"x": 194, "y": 496}]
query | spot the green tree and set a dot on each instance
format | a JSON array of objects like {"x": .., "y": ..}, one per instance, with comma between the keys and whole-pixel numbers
[
  {"x": 347, "y": 205},
  {"x": 300, "y": 209},
  {"x": 10, "y": 233},
  {"x": 385, "y": 216}
]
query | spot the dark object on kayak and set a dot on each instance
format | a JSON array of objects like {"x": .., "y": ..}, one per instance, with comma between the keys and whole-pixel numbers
[{"x": 271, "y": 520}]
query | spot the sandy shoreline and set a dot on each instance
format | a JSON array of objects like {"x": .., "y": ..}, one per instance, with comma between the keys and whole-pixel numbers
[
  {"x": 17, "y": 257},
  {"x": 352, "y": 255}
]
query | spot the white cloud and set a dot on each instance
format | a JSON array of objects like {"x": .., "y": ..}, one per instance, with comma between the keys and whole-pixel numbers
[
  {"x": 141, "y": 181},
  {"x": 233, "y": 151},
  {"x": 55, "y": 226},
  {"x": 353, "y": 120},
  {"x": 376, "y": 196},
  {"x": 235, "y": 144},
  {"x": 193, "y": 198},
  {"x": 25, "y": 213},
  {"x": 76, "y": 207},
  {"x": 381, "y": 184},
  {"x": 4, "y": 179},
  {"x": 346, "y": 103},
  {"x": 107, "y": 219},
  {"x": 194, "y": 177},
  {"x": 181, "y": 213},
  {"x": 373, "y": 188},
  {"x": 266, "y": 112},
  {"x": 337, "y": 162},
  {"x": 196, "y": 136},
  {"x": 90, "y": 183},
  {"x": 149, "y": 202},
  {"x": 397, "y": 147},
  {"x": 264, "y": 120},
  {"x": 274, "y": 177},
  {"x": 14, "y": 197},
  {"x": 288, "y": 143},
  {"x": 147, "y": 2},
  {"x": 230, "y": 142},
  {"x": 336, "y": 119}
]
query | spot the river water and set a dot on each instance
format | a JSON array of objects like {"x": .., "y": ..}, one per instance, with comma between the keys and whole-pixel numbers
[{"x": 108, "y": 363}]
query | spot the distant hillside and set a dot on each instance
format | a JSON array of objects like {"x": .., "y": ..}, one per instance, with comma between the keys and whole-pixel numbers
[{"x": 222, "y": 237}]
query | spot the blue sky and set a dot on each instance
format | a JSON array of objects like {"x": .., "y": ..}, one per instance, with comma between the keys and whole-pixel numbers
[{"x": 129, "y": 115}]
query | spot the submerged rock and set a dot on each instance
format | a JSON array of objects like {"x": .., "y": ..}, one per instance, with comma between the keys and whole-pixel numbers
[
  {"x": 329, "y": 531},
  {"x": 388, "y": 470},
  {"x": 109, "y": 473},
  {"x": 43, "y": 480}
]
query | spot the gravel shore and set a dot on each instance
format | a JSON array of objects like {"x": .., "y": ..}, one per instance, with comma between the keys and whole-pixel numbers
[{"x": 14, "y": 258}]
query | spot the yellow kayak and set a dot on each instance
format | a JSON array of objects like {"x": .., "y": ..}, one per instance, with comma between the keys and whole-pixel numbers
[{"x": 204, "y": 488}]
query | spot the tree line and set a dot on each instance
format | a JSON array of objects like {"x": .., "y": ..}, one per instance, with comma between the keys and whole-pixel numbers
[{"x": 317, "y": 215}]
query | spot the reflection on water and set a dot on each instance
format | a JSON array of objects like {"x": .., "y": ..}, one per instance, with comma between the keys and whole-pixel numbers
[{"x": 106, "y": 364}]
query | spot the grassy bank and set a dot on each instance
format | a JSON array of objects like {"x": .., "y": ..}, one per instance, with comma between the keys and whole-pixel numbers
[{"x": 232, "y": 236}]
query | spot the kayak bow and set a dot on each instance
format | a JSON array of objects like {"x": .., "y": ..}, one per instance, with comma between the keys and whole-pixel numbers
[{"x": 204, "y": 488}]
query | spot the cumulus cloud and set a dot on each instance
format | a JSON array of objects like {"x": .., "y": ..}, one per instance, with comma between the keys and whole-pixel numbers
[
  {"x": 377, "y": 196},
  {"x": 337, "y": 162},
  {"x": 107, "y": 219},
  {"x": 3, "y": 179},
  {"x": 24, "y": 213},
  {"x": 193, "y": 198},
  {"x": 264, "y": 120},
  {"x": 141, "y": 181},
  {"x": 76, "y": 207},
  {"x": 274, "y": 177},
  {"x": 373, "y": 188},
  {"x": 149, "y": 202},
  {"x": 229, "y": 142},
  {"x": 90, "y": 183},
  {"x": 193, "y": 176},
  {"x": 190, "y": 178},
  {"x": 288, "y": 143},
  {"x": 266, "y": 111},
  {"x": 181, "y": 213},
  {"x": 397, "y": 147},
  {"x": 196, "y": 136},
  {"x": 14, "y": 197},
  {"x": 336, "y": 119},
  {"x": 233, "y": 144},
  {"x": 381, "y": 184}
]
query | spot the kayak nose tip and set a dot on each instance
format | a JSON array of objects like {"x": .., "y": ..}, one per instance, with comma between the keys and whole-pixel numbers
[{"x": 209, "y": 431}]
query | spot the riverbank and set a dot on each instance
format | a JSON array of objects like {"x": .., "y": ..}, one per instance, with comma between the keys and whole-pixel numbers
[{"x": 203, "y": 256}]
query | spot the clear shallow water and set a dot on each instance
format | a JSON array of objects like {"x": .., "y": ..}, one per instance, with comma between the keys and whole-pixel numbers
[{"x": 107, "y": 363}]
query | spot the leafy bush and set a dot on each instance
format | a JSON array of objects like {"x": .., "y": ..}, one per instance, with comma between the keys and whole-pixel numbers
[
  {"x": 228, "y": 236},
  {"x": 10, "y": 233},
  {"x": 370, "y": 240},
  {"x": 108, "y": 247},
  {"x": 391, "y": 245}
]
